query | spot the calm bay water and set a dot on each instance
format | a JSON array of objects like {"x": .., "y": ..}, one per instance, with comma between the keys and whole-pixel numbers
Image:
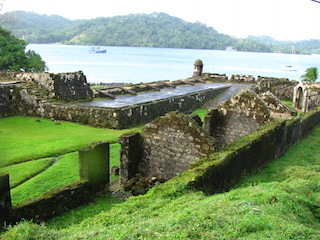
[{"x": 135, "y": 65}]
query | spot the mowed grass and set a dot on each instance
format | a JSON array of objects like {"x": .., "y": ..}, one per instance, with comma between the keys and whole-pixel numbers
[
  {"x": 278, "y": 202},
  {"x": 25, "y": 147},
  {"x": 201, "y": 113},
  {"x": 65, "y": 171},
  {"x": 23, "y": 138},
  {"x": 19, "y": 173}
]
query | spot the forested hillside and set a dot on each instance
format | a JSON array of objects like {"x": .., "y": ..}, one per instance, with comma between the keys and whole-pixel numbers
[
  {"x": 139, "y": 30},
  {"x": 301, "y": 47},
  {"x": 144, "y": 30}
]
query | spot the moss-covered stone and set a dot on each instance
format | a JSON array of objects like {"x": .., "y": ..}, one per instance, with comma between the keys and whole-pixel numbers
[{"x": 95, "y": 164}]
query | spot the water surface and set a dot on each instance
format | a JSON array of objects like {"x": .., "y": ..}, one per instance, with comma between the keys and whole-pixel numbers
[{"x": 141, "y": 64}]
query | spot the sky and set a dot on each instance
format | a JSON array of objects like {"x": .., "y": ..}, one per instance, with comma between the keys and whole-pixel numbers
[{"x": 280, "y": 19}]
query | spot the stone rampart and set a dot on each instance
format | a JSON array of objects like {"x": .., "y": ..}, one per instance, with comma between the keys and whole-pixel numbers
[
  {"x": 143, "y": 113},
  {"x": 166, "y": 147},
  {"x": 221, "y": 171}
]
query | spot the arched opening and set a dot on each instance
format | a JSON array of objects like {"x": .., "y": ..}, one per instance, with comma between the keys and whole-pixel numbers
[{"x": 299, "y": 98}]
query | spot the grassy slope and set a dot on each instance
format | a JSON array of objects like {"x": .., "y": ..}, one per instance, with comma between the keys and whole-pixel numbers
[
  {"x": 279, "y": 202},
  {"x": 22, "y": 138},
  {"x": 21, "y": 172}
]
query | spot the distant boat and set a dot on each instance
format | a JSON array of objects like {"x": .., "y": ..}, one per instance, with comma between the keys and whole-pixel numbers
[
  {"x": 290, "y": 67},
  {"x": 98, "y": 50}
]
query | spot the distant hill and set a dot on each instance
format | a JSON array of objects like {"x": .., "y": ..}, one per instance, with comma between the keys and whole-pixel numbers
[
  {"x": 302, "y": 47},
  {"x": 140, "y": 30},
  {"x": 143, "y": 30}
]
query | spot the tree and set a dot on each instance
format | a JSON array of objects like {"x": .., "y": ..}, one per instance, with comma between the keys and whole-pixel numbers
[
  {"x": 13, "y": 55},
  {"x": 311, "y": 74}
]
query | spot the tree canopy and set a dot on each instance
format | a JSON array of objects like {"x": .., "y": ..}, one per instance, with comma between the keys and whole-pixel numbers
[
  {"x": 311, "y": 74},
  {"x": 15, "y": 58}
]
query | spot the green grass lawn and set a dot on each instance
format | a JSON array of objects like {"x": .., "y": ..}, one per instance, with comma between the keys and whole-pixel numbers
[
  {"x": 278, "y": 202},
  {"x": 23, "y": 139},
  {"x": 21, "y": 172},
  {"x": 25, "y": 147},
  {"x": 201, "y": 113},
  {"x": 65, "y": 171}
]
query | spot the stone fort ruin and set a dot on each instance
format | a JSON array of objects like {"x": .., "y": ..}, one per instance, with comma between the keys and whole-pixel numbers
[{"x": 173, "y": 141}]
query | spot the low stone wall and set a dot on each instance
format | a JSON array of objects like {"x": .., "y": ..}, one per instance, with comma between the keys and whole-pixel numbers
[
  {"x": 224, "y": 169},
  {"x": 236, "y": 78},
  {"x": 215, "y": 77},
  {"x": 166, "y": 147},
  {"x": 143, "y": 113},
  {"x": 26, "y": 102},
  {"x": 54, "y": 202}
]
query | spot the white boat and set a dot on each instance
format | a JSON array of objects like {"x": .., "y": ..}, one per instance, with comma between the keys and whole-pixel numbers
[
  {"x": 98, "y": 50},
  {"x": 291, "y": 67}
]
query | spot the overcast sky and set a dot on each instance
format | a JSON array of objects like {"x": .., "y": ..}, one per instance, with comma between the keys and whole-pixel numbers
[{"x": 280, "y": 19}]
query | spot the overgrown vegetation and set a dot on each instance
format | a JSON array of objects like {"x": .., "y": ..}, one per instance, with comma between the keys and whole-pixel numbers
[
  {"x": 15, "y": 58},
  {"x": 144, "y": 30}
]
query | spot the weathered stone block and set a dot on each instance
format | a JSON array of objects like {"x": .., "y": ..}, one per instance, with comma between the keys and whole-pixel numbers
[
  {"x": 130, "y": 155},
  {"x": 5, "y": 198},
  {"x": 94, "y": 165}
]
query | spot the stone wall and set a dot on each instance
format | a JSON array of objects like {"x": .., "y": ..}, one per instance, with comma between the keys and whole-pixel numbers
[
  {"x": 63, "y": 86},
  {"x": 236, "y": 78},
  {"x": 282, "y": 88},
  {"x": 27, "y": 101},
  {"x": 215, "y": 77},
  {"x": 277, "y": 109},
  {"x": 228, "y": 127},
  {"x": 166, "y": 147},
  {"x": 243, "y": 114},
  {"x": 236, "y": 118},
  {"x": 54, "y": 202},
  {"x": 306, "y": 96},
  {"x": 222, "y": 171},
  {"x": 143, "y": 113},
  {"x": 71, "y": 86},
  {"x": 7, "y": 101}
]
